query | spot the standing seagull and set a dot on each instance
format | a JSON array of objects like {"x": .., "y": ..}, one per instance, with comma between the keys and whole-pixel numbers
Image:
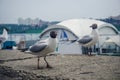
[
  {"x": 42, "y": 48},
  {"x": 89, "y": 40},
  {"x": 3, "y": 37}
]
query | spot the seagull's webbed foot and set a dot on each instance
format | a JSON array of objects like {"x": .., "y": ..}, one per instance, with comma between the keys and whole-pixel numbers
[
  {"x": 38, "y": 63},
  {"x": 38, "y": 67},
  {"x": 48, "y": 66}
]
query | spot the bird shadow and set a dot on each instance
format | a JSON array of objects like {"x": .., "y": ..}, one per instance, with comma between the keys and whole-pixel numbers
[
  {"x": 34, "y": 67},
  {"x": 86, "y": 72}
]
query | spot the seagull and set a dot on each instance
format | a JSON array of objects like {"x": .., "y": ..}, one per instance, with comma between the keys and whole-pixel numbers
[
  {"x": 43, "y": 47},
  {"x": 4, "y": 36},
  {"x": 90, "y": 40}
]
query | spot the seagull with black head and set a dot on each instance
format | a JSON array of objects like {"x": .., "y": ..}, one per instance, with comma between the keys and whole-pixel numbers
[
  {"x": 90, "y": 40},
  {"x": 43, "y": 47},
  {"x": 4, "y": 36}
]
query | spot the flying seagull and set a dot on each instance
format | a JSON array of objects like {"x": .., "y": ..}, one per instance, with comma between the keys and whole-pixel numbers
[
  {"x": 3, "y": 37},
  {"x": 90, "y": 40},
  {"x": 43, "y": 47}
]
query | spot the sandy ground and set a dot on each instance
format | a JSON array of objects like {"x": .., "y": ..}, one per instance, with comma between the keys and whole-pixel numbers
[{"x": 67, "y": 67}]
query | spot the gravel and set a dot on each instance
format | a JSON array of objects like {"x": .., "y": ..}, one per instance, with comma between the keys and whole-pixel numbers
[
  {"x": 8, "y": 73},
  {"x": 16, "y": 65}
]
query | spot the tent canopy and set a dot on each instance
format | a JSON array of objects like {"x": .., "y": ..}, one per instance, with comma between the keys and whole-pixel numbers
[{"x": 81, "y": 27}]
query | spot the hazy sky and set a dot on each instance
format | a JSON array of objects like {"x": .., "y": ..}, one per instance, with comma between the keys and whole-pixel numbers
[{"x": 57, "y": 10}]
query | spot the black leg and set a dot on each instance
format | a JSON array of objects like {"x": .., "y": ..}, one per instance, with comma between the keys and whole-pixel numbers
[
  {"x": 90, "y": 51},
  {"x": 48, "y": 66},
  {"x": 38, "y": 62}
]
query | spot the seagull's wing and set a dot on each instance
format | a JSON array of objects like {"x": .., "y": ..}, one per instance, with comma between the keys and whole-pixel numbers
[
  {"x": 39, "y": 46},
  {"x": 2, "y": 39},
  {"x": 85, "y": 39}
]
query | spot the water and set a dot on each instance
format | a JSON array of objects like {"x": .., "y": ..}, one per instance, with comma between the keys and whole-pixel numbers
[{"x": 23, "y": 36}]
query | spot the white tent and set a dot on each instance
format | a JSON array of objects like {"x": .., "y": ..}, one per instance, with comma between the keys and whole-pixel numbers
[
  {"x": 116, "y": 40},
  {"x": 70, "y": 30}
]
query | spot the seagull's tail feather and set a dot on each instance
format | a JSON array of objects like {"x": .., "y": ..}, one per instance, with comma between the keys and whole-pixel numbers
[
  {"x": 5, "y": 33},
  {"x": 25, "y": 49}
]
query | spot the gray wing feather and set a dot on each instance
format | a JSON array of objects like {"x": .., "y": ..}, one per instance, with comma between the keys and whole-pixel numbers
[
  {"x": 85, "y": 39},
  {"x": 38, "y": 48},
  {"x": 2, "y": 39}
]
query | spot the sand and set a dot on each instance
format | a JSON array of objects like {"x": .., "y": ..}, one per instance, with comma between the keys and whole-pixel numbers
[{"x": 16, "y": 65}]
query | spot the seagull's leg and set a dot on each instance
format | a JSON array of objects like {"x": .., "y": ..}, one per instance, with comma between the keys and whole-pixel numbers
[
  {"x": 48, "y": 66},
  {"x": 90, "y": 51},
  {"x": 38, "y": 62},
  {"x": 0, "y": 45}
]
